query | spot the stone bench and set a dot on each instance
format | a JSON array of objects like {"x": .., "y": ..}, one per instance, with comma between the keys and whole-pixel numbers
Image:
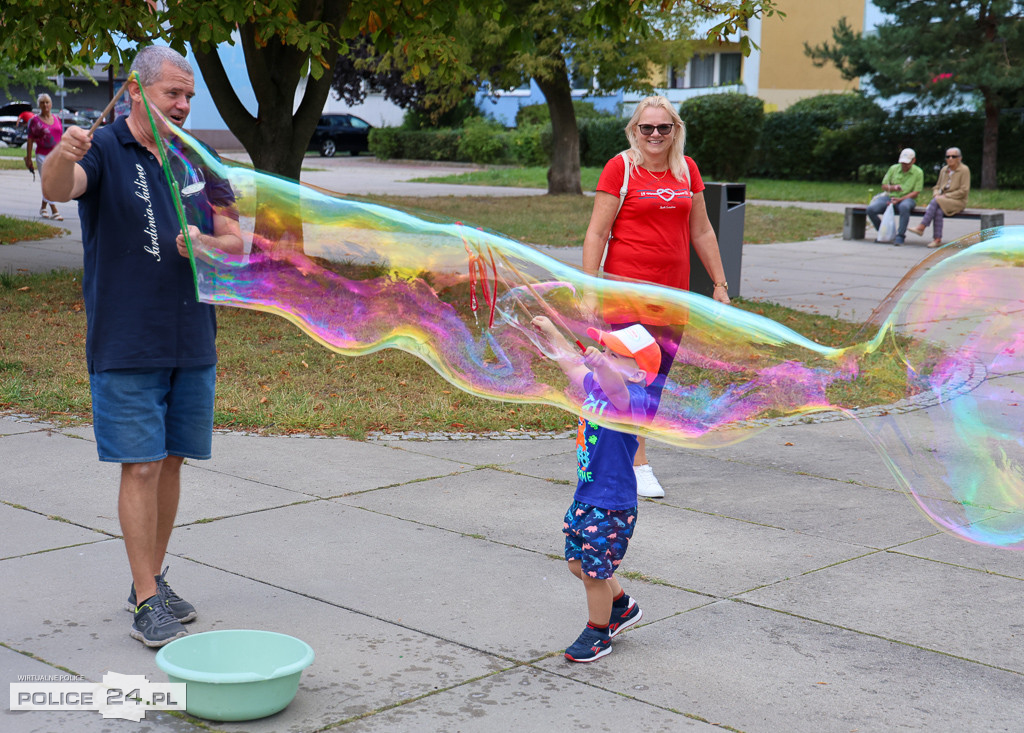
[{"x": 855, "y": 219}]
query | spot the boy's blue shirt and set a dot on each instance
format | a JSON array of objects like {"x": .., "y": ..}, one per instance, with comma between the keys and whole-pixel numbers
[{"x": 604, "y": 456}]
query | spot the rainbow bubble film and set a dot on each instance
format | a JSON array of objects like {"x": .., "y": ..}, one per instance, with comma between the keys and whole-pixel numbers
[{"x": 358, "y": 277}]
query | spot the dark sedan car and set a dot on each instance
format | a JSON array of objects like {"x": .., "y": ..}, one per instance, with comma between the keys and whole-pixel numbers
[
  {"x": 10, "y": 132},
  {"x": 341, "y": 132}
]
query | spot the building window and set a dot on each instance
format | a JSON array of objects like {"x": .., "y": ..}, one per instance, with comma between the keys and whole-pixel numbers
[
  {"x": 702, "y": 71},
  {"x": 729, "y": 68},
  {"x": 718, "y": 69}
]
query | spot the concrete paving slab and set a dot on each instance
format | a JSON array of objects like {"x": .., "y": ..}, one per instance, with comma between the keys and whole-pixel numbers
[
  {"x": 721, "y": 557},
  {"x": 14, "y": 426},
  {"x": 83, "y": 490},
  {"x": 945, "y": 548},
  {"x": 465, "y": 504},
  {"x": 533, "y": 522},
  {"x": 26, "y": 532},
  {"x": 900, "y": 602},
  {"x": 530, "y": 701},
  {"x": 837, "y": 450},
  {"x": 760, "y": 671},
  {"x": 362, "y": 663},
  {"x": 15, "y": 667},
  {"x": 824, "y": 508},
  {"x": 60, "y": 475},
  {"x": 404, "y": 573},
  {"x": 321, "y": 467},
  {"x": 486, "y": 452}
]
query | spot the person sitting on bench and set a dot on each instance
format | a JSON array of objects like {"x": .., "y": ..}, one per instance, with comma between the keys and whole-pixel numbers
[
  {"x": 949, "y": 197},
  {"x": 900, "y": 187}
]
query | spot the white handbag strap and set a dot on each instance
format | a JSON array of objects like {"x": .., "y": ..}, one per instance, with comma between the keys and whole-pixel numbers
[{"x": 625, "y": 181}]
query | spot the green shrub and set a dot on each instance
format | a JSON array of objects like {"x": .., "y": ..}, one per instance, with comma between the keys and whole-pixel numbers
[
  {"x": 432, "y": 144},
  {"x": 827, "y": 137},
  {"x": 722, "y": 131},
  {"x": 483, "y": 141},
  {"x": 601, "y": 139},
  {"x": 539, "y": 114},
  {"x": 386, "y": 143},
  {"x": 530, "y": 145}
]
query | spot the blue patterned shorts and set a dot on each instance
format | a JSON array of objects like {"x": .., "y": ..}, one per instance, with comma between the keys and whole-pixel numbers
[{"x": 597, "y": 537}]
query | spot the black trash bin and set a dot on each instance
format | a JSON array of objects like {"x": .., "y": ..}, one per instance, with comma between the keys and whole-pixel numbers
[{"x": 726, "y": 203}]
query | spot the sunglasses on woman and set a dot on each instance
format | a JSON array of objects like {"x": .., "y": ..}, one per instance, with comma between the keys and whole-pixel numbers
[{"x": 649, "y": 129}]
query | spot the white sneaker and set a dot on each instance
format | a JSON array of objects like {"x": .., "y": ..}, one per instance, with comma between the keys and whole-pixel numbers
[{"x": 647, "y": 483}]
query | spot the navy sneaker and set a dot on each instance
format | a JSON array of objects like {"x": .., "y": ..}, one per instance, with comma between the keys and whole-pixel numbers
[
  {"x": 629, "y": 616},
  {"x": 897, "y": 241},
  {"x": 592, "y": 644},
  {"x": 181, "y": 609},
  {"x": 154, "y": 625}
]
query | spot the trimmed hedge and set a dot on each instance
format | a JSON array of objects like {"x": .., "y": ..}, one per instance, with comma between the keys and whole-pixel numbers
[
  {"x": 827, "y": 137},
  {"x": 601, "y": 139},
  {"x": 836, "y": 137},
  {"x": 722, "y": 132},
  {"x": 389, "y": 143}
]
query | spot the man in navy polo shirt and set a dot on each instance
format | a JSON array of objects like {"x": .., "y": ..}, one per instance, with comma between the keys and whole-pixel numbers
[{"x": 149, "y": 345}]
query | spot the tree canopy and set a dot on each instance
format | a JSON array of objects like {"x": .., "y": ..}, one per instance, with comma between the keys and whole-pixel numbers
[
  {"x": 284, "y": 42},
  {"x": 293, "y": 44},
  {"x": 940, "y": 52}
]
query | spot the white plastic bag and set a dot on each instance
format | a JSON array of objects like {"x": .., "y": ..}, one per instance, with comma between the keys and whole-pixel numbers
[{"x": 887, "y": 229}]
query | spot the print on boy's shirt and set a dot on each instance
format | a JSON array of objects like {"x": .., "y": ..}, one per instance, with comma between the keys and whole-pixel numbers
[{"x": 583, "y": 449}]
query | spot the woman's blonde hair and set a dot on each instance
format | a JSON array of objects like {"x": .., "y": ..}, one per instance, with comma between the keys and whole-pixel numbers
[
  {"x": 676, "y": 162},
  {"x": 41, "y": 97}
]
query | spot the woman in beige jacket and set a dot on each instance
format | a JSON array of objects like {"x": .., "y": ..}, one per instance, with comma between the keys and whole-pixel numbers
[{"x": 949, "y": 197}]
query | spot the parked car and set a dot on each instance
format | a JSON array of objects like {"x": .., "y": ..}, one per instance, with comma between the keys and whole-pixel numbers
[
  {"x": 10, "y": 133},
  {"x": 68, "y": 118},
  {"x": 341, "y": 132}
]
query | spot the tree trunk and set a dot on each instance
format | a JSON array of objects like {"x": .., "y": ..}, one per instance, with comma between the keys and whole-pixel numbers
[
  {"x": 275, "y": 139},
  {"x": 990, "y": 145},
  {"x": 564, "y": 173}
]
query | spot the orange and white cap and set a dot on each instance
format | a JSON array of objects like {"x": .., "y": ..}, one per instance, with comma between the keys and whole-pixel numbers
[{"x": 635, "y": 342}]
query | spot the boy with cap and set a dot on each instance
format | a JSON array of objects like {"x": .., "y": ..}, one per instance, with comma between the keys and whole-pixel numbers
[
  {"x": 900, "y": 187},
  {"x": 602, "y": 516}
]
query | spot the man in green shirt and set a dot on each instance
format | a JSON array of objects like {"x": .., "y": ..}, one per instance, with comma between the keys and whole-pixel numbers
[{"x": 901, "y": 185}]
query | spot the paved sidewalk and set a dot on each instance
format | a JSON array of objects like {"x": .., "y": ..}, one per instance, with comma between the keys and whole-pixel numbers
[{"x": 787, "y": 585}]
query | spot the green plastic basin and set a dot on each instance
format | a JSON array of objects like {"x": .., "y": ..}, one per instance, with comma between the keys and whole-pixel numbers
[{"x": 236, "y": 674}]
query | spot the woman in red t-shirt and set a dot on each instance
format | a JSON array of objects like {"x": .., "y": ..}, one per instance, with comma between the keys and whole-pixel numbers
[
  {"x": 649, "y": 238},
  {"x": 45, "y": 131}
]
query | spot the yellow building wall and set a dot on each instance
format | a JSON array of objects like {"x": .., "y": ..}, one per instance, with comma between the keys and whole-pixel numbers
[{"x": 786, "y": 73}]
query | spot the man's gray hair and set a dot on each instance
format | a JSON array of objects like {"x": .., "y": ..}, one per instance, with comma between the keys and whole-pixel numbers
[{"x": 149, "y": 62}]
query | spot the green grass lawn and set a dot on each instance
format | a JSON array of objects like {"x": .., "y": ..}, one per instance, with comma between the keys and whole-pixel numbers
[
  {"x": 272, "y": 378},
  {"x": 13, "y": 159},
  {"x": 13, "y": 229},
  {"x": 561, "y": 221}
]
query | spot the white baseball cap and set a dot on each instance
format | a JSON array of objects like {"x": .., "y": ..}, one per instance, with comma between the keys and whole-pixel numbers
[{"x": 907, "y": 155}]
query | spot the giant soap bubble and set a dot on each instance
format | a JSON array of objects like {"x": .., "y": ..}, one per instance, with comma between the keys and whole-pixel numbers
[{"x": 359, "y": 277}]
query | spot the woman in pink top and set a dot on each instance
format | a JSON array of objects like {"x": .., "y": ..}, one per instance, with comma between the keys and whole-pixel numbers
[{"x": 44, "y": 131}]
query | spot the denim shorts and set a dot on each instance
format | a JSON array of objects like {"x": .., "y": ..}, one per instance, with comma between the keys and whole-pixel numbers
[
  {"x": 143, "y": 415},
  {"x": 597, "y": 537}
]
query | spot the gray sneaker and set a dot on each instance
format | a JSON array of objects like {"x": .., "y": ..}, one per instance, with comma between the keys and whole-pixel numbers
[
  {"x": 181, "y": 609},
  {"x": 154, "y": 625}
]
